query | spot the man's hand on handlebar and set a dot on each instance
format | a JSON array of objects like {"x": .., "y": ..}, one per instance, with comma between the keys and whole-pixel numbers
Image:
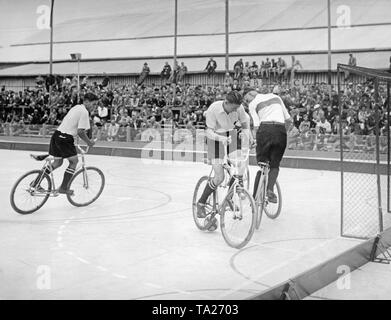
[{"x": 91, "y": 143}]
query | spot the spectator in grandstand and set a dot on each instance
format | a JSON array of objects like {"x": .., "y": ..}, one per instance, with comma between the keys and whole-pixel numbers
[
  {"x": 228, "y": 80},
  {"x": 103, "y": 112},
  {"x": 182, "y": 72},
  {"x": 166, "y": 72},
  {"x": 293, "y": 136},
  {"x": 144, "y": 74},
  {"x": 211, "y": 67},
  {"x": 323, "y": 126},
  {"x": 238, "y": 69},
  {"x": 112, "y": 130},
  {"x": 305, "y": 124},
  {"x": 105, "y": 81}
]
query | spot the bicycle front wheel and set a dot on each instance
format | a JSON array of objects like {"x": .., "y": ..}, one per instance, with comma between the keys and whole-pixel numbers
[
  {"x": 273, "y": 210},
  {"x": 238, "y": 218},
  {"x": 87, "y": 185},
  {"x": 260, "y": 201},
  {"x": 199, "y": 189},
  {"x": 26, "y": 198}
]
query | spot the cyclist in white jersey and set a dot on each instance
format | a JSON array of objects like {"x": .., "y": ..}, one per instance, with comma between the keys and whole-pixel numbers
[
  {"x": 270, "y": 115},
  {"x": 75, "y": 123}
]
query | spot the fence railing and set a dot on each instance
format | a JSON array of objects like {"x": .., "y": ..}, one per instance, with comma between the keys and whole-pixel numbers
[{"x": 175, "y": 135}]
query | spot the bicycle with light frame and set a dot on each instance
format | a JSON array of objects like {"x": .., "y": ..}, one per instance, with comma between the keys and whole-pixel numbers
[
  {"x": 35, "y": 187},
  {"x": 237, "y": 210}
]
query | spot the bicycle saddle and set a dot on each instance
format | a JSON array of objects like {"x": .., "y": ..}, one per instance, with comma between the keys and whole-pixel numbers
[{"x": 39, "y": 157}]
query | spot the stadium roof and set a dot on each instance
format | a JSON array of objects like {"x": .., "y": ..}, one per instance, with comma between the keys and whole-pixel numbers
[
  {"x": 381, "y": 75},
  {"x": 102, "y": 29}
]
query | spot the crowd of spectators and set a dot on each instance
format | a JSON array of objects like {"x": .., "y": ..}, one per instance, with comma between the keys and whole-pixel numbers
[{"x": 140, "y": 107}]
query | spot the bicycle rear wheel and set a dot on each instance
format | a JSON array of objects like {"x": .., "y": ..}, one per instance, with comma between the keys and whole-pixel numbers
[
  {"x": 238, "y": 218},
  {"x": 201, "y": 223},
  {"x": 273, "y": 210},
  {"x": 87, "y": 185},
  {"x": 25, "y": 198}
]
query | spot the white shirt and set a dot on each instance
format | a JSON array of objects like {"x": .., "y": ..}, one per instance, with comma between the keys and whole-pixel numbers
[
  {"x": 103, "y": 112},
  {"x": 76, "y": 118},
  {"x": 268, "y": 107},
  {"x": 218, "y": 120}
]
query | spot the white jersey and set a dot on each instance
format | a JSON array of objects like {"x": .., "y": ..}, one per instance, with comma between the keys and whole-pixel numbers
[
  {"x": 76, "y": 118},
  {"x": 218, "y": 120},
  {"x": 266, "y": 108}
]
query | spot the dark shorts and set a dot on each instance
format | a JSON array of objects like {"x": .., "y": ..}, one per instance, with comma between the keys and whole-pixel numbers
[
  {"x": 271, "y": 144},
  {"x": 62, "y": 145}
]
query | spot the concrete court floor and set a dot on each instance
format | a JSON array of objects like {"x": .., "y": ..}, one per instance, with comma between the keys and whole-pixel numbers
[{"x": 139, "y": 241}]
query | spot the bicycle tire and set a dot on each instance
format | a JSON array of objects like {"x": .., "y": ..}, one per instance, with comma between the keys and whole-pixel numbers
[
  {"x": 261, "y": 202},
  {"x": 279, "y": 206},
  {"x": 200, "y": 222},
  {"x": 223, "y": 217},
  {"x": 44, "y": 198},
  {"x": 72, "y": 199}
]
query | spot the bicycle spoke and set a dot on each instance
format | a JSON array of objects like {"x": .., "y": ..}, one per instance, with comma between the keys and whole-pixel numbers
[{"x": 238, "y": 220}]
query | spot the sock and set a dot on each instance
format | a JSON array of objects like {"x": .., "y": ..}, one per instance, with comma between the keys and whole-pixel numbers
[
  {"x": 209, "y": 188},
  {"x": 40, "y": 176},
  {"x": 256, "y": 182},
  {"x": 273, "y": 174},
  {"x": 68, "y": 174}
]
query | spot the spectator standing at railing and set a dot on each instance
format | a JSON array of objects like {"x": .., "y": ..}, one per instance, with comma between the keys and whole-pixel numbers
[
  {"x": 182, "y": 72},
  {"x": 246, "y": 69},
  {"x": 282, "y": 69},
  {"x": 352, "y": 62},
  {"x": 274, "y": 69},
  {"x": 305, "y": 124},
  {"x": 296, "y": 65},
  {"x": 211, "y": 67},
  {"x": 144, "y": 74},
  {"x": 238, "y": 69},
  {"x": 254, "y": 70},
  {"x": 166, "y": 72},
  {"x": 268, "y": 66}
]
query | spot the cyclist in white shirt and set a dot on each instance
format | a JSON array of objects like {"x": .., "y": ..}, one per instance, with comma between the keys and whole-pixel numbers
[
  {"x": 75, "y": 123},
  {"x": 222, "y": 117},
  {"x": 269, "y": 114}
]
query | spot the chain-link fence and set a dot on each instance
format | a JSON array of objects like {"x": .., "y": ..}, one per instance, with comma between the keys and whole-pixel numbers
[{"x": 365, "y": 191}]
